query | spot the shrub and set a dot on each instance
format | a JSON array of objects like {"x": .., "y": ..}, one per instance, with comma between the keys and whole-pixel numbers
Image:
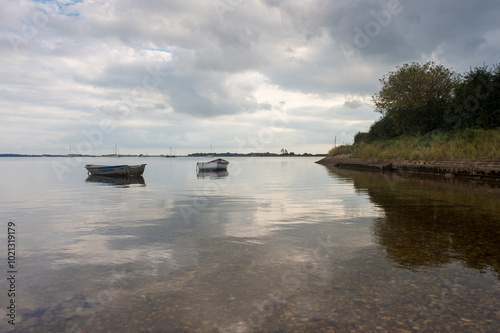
[
  {"x": 382, "y": 129},
  {"x": 360, "y": 137},
  {"x": 477, "y": 100}
]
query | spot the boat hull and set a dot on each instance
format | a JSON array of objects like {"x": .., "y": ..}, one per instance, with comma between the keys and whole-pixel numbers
[
  {"x": 115, "y": 170},
  {"x": 215, "y": 165}
]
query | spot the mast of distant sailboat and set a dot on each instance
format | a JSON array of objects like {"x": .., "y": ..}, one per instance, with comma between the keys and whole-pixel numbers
[{"x": 115, "y": 151}]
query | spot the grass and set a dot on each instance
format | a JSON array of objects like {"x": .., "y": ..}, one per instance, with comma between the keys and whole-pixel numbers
[{"x": 466, "y": 144}]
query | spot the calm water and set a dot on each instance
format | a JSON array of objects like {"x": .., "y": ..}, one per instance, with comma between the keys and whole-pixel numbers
[{"x": 274, "y": 245}]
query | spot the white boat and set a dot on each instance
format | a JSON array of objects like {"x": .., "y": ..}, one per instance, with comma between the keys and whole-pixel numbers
[
  {"x": 215, "y": 165},
  {"x": 115, "y": 170}
]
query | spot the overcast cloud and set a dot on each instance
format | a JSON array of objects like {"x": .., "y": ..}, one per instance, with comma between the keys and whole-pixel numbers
[{"x": 240, "y": 75}]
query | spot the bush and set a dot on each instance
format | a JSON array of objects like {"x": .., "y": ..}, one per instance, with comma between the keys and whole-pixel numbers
[
  {"x": 360, "y": 137},
  {"x": 344, "y": 149},
  {"x": 382, "y": 129},
  {"x": 477, "y": 101}
]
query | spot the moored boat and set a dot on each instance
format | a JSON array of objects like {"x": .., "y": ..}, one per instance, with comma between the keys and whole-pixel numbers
[
  {"x": 115, "y": 170},
  {"x": 215, "y": 165}
]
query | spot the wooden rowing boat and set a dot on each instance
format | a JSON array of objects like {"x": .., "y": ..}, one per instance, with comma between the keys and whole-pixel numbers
[{"x": 115, "y": 170}]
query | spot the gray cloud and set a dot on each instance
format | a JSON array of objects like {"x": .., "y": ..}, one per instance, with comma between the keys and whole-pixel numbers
[
  {"x": 353, "y": 104},
  {"x": 161, "y": 63}
]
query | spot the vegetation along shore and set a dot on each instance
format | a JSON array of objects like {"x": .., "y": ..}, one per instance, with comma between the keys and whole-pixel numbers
[{"x": 432, "y": 120}]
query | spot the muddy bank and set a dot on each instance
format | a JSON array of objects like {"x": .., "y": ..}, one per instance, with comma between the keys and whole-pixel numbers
[{"x": 481, "y": 169}]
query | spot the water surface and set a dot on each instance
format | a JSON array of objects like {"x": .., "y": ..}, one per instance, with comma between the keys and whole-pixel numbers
[{"x": 273, "y": 245}]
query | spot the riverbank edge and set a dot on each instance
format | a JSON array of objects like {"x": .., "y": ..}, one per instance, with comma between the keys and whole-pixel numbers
[{"x": 485, "y": 169}]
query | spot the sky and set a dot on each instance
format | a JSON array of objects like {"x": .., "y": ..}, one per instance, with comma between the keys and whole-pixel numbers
[{"x": 240, "y": 76}]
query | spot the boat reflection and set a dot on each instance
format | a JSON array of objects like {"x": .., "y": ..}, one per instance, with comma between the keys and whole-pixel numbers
[
  {"x": 212, "y": 174},
  {"x": 116, "y": 181},
  {"x": 432, "y": 222}
]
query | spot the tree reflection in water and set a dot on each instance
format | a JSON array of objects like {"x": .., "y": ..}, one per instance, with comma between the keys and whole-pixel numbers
[{"x": 431, "y": 221}]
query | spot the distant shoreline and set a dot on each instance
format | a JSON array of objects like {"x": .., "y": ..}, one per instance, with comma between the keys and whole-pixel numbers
[
  {"x": 172, "y": 156},
  {"x": 484, "y": 169}
]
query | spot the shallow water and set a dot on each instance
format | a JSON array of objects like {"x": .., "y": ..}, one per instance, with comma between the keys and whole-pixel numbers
[{"x": 273, "y": 245}]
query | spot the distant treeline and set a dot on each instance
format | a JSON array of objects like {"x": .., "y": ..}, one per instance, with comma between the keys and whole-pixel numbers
[
  {"x": 421, "y": 98},
  {"x": 267, "y": 154},
  {"x": 190, "y": 155}
]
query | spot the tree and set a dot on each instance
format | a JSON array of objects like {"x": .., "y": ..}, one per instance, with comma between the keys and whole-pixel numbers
[
  {"x": 416, "y": 96},
  {"x": 477, "y": 100}
]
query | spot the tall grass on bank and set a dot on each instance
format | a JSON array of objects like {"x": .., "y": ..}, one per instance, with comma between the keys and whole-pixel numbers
[{"x": 465, "y": 144}]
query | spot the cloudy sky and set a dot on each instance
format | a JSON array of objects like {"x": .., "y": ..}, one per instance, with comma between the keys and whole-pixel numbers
[{"x": 237, "y": 75}]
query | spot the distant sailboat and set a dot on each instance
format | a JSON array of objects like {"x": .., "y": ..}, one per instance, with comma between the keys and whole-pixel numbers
[
  {"x": 211, "y": 154},
  {"x": 115, "y": 151},
  {"x": 171, "y": 155},
  {"x": 70, "y": 154}
]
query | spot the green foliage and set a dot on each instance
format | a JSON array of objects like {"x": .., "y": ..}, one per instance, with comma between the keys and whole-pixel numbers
[
  {"x": 430, "y": 112},
  {"x": 466, "y": 144},
  {"x": 415, "y": 96},
  {"x": 360, "y": 137},
  {"x": 344, "y": 149},
  {"x": 477, "y": 100},
  {"x": 382, "y": 129}
]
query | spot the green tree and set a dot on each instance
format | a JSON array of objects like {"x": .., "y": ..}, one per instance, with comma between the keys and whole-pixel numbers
[
  {"x": 477, "y": 100},
  {"x": 416, "y": 96}
]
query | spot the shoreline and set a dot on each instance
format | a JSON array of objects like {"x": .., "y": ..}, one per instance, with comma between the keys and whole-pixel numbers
[{"x": 484, "y": 169}]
